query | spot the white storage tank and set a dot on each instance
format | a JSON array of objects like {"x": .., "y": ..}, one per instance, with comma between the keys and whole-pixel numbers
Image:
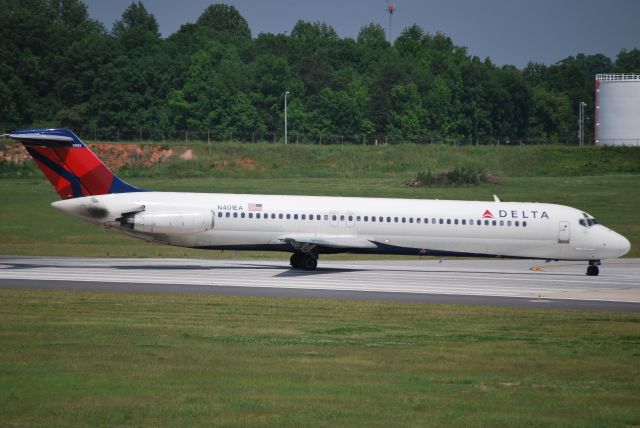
[{"x": 617, "y": 109}]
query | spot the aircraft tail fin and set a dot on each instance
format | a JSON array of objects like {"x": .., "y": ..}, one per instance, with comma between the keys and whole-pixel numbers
[{"x": 71, "y": 167}]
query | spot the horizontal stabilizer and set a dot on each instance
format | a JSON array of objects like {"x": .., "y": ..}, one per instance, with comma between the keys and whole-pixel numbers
[{"x": 28, "y": 137}]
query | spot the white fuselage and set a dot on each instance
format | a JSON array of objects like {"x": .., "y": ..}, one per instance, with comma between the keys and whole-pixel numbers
[{"x": 373, "y": 225}]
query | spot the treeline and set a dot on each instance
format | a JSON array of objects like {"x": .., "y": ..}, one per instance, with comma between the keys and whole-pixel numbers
[{"x": 58, "y": 67}]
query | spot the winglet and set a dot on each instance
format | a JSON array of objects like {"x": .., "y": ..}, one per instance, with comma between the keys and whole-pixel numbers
[{"x": 496, "y": 199}]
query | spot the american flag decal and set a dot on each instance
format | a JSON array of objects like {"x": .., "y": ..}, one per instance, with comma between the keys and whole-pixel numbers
[{"x": 255, "y": 207}]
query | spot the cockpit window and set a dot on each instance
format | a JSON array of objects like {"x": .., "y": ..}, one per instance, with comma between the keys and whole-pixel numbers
[{"x": 587, "y": 221}]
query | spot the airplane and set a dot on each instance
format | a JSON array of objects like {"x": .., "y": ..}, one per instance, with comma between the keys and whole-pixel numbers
[{"x": 308, "y": 226}]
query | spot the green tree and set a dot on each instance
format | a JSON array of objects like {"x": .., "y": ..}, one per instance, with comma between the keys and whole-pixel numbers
[
  {"x": 550, "y": 116},
  {"x": 272, "y": 76},
  {"x": 344, "y": 110},
  {"x": 437, "y": 104},
  {"x": 221, "y": 20},
  {"x": 407, "y": 113},
  {"x": 628, "y": 61},
  {"x": 372, "y": 36},
  {"x": 313, "y": 31}
]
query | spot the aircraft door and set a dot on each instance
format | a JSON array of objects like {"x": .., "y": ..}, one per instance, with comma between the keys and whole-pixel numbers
[
  {"x": 347, "y": 219},
  {"x": 350, "y": 219},
  {"x": 563, "y": 232}
]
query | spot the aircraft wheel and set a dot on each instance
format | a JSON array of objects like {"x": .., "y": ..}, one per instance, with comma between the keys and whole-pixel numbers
[
  {"x": 593, "y": 270},
  {"x": 310, "y": 263},
  {"x": 296, "y": 260}
]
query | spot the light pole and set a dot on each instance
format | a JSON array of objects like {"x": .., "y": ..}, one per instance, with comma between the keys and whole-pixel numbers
[
  {"x": 285, "y": 117},
  {"x": 581, "y": 107}
]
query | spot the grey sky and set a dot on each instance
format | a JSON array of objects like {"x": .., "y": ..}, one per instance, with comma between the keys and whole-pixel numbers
[{"x": 507, "y": 31}]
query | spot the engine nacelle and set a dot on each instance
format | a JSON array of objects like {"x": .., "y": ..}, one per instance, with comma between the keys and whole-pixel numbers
[{"x": 168, "y": 223}]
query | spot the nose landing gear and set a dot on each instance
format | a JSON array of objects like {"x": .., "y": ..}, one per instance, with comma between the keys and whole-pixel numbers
[
  {"x": 592, "y": 269},
  {"x": 305, "y": 261}
]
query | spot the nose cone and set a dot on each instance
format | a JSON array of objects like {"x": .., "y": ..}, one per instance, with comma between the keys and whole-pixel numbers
[
  {"x": 607, "y": 243},
  {"x": 619, "y": 245}
]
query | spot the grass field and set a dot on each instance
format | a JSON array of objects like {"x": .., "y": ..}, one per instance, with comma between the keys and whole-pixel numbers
[
  {"x": 401, "y": 162},
  {"x": 106, "y": 359}
]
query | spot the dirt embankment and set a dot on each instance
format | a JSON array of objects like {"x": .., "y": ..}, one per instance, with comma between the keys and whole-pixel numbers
[{"x": 114, "y": 155}]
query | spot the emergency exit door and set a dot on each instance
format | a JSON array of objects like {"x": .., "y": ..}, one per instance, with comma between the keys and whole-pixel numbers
[{"x": 563, "y": 233}]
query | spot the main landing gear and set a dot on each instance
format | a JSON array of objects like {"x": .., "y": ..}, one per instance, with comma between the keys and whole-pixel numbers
[
  {"x": 593, "y": 269},
  {"x": 306, "y": 261}
]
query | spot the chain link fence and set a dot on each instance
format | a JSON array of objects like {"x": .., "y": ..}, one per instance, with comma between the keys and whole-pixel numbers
[{"x": 190, "y": 136}]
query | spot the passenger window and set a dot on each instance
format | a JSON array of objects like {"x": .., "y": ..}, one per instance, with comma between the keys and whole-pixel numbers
[
  {"x": 448, "y": 221},
  {"x": 426, "y": 221},
  {"x": 334, "y": 217},
  {"x": 381, "y": 219},
  {"x": 486, "y": 222},
  {"x": 228, "y": 215},
  {"x": 350, "y": 218},
  {"x": 517, "y": 223},
  {"x": 295, "y": 216},
  {"x": 464, "y": 222},
  {"x": 395, "y": 219},
  {"x": 235, "y": 215},
  {"x": 341, "y": 218},
  {"x": 501, "y": 222},
  {"x": 373, "y": 218},
  {"x": 220, "y": 214},
  {"x": 288, "y": 216},
  {"x": 280, "y": 216},
  {"x": 524, "y": 224},
  {"x": 410, "y": 219},
  {"x": 303, "y": 217},
  {"x": 358, "y": 218},
  {"x": 404, "y": 220},
  {"x": 509, "y": 223},
  {"x": 273, "y": 216},
  {"x": 366, "y": 218},
  {"x": 441, "y": 221},
  {"x": 250, "y": 215},
  {"x": 433, "y": 221},
  {"x": 388, "y": 219},
  {"x": 471, "y": 222},
  {"x": 242, "y": 215},
  {"x": 455, "y": 221},
  {"x": 418, "y": 220},
  {"x": 494, "y": 222},
  {"x": 326, "y": 217}
]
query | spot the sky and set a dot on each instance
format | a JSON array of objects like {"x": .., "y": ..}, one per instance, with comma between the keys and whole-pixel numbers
[{"x": 507, "y": 31}]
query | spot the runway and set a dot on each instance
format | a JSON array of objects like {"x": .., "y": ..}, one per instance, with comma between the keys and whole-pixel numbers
[{"x": 517, "y": 283}]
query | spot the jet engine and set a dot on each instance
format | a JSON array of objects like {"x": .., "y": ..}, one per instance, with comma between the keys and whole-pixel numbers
[{"x": 168, "y": 222}]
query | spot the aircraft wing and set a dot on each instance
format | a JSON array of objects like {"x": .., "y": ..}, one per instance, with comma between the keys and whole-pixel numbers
[{"x": 306, "y": 242}]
